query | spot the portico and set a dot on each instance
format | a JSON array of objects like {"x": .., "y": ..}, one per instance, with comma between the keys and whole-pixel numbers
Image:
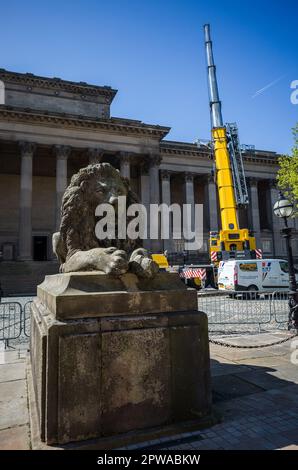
[{"x": 51, "y": 128}]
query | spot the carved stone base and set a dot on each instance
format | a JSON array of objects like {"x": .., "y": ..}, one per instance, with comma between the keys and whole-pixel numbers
[{"x": 109, "y": 356}]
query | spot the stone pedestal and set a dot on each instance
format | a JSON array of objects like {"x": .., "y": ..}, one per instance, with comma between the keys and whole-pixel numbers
[{"x": 111, "y": 356}]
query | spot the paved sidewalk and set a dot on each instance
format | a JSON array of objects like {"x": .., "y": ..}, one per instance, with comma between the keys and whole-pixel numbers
[
  {"x": 14, "y": 417},
  {"x": 254, "y": 392}
]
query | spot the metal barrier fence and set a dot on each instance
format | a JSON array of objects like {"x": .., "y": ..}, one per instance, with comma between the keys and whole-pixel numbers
[
  {"x": 14, "y": 321},
  {"x": 10, "y": 320},
  {"x": 235, "y": 308},
  {"x": 27, "y": 318},
  {"x": 280, "y": 306},
  {"x": 244, "y": 308}
]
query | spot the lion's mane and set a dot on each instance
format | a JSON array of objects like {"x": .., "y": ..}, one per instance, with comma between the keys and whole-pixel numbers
[{"x": 78, "y": 220}]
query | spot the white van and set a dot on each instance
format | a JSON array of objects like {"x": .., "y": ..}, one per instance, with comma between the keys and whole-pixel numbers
[{"x": 253, "y": 275}]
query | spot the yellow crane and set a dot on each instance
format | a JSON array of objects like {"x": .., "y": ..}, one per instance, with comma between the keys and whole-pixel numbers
[{"x": 231, "y": 241}]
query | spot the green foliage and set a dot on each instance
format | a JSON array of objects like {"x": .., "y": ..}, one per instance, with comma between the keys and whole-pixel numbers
[{"x": 287, "y": 176}]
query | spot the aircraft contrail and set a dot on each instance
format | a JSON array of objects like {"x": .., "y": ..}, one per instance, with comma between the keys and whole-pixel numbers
[{"x": 261, "y": 90}]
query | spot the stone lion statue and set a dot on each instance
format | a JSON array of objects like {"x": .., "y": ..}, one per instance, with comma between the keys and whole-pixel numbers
[{"x": 76, "y": 245}]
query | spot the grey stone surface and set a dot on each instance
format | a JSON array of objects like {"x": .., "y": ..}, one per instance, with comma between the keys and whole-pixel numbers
[
  {"x": 13, "y": 412},
  {"x": 15, "y": 438},
  {"x": 12, "y": 372},
  {"x": 12, "y": 389},
  {"x": 92, "y": 294},
  {"x": 266, "y": 418},
  {"x": 117, "y": 366}
]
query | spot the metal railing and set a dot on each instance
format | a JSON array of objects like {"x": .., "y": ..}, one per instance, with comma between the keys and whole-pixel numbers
[
  {"x": 10, "y": 320},
  {"x": 244, "y": 308},
  {"x": 14, "y": 321},
  {"x": 222, "y": 308},
  {"x": 27, "y": 318},
  {"x": 280, "y": 306}
]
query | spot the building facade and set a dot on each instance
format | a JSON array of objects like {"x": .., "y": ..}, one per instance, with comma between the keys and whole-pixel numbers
[{"x": 50, "y": 128}]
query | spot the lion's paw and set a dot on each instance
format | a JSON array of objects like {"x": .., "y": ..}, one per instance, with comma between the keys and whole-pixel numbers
[
  {"x": 116, "y": 262},
  {"x": 143, "y": 266}
]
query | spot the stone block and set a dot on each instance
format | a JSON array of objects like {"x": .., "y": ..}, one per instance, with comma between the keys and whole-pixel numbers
[{"x": 104, "y": 366}]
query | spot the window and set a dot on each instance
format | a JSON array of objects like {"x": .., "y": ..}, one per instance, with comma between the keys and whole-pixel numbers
[
  {"x": 248, "y": 267},
  {"x": 285, "y": 267},
  {"x": 266, "y": 245}
]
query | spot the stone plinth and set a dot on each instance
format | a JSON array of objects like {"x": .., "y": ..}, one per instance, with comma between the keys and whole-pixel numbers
[{"x": 110, "y": 356}]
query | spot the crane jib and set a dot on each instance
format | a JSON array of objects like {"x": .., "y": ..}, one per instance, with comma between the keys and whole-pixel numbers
[{"x": 231, "y": 240}]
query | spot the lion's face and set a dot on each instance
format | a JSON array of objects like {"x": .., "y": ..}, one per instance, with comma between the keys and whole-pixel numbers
[
  {"x": 104, "y": 185},
  {"x": 108, "y": 192}
]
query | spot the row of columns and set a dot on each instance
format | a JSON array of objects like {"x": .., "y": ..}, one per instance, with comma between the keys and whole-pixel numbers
[
  {"x": 149, "y": 186},
  {"x": 189, "y": 196},
  {"x": 277, "y": 224},
  {"x": 213, "y": 209},
  {"x": 25, "y": 207},
  {"x": 149, "y": 194}
]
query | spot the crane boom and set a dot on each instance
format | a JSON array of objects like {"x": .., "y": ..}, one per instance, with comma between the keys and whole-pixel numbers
[
  {"x": 225, "y": 184},
  {"x": 215, "y": 103},
  {"x": 231, "y": 241}
]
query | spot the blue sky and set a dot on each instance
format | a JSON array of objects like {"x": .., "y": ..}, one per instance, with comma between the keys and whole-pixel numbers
[{"x": 153, "y": 53}]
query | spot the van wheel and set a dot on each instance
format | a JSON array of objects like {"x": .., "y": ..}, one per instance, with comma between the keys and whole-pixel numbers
[{"x": 252, "y": 293}]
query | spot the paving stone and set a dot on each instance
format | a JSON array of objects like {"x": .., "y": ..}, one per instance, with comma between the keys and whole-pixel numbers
[
  {"x": 16, "y": 438},
  {"x": 230, "y": 386},
  {"x": 13, "y": 389},
  {"x": 13, "y": 413},
  {"x": 9, "y": 372},
  {"x": 9, "y": 357}
]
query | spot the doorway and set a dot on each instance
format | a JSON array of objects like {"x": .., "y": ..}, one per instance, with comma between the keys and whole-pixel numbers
[{"x": 40, "y": 248}]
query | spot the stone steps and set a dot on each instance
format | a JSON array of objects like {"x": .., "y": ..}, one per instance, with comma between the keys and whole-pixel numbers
[{"x": 22, "y": 277}]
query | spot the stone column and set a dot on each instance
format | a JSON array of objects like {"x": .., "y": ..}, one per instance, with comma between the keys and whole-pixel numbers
[
  {"x": 154, "y": 193},
  {"x": 212, "y": 203},
  {"x": 189, "y": 198},
  {"x": 255, "y": 212},
  {"x": 125, "y": 164},
  {"x": 276, "y": 221},
  {"x": 95, "y": 155},
  {"x": 62, "y": 153},
  {"x": 25, "y": 213},
  {"x": 166, "y": 199},
  {"x": 145, "y": 198}
]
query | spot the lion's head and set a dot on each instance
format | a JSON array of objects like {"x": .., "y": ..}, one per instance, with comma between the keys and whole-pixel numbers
[{"x": 91, "y": 186}]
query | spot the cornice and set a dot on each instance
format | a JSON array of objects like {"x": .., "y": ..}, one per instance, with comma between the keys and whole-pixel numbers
[
  {"x": 31, "y": 80},
  {"x": 192, "y": 150},
  {"x": 116, "y": 125}
]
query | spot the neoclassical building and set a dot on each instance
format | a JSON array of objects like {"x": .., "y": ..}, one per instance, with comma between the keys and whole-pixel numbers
[{"x": 50, "y": 128}]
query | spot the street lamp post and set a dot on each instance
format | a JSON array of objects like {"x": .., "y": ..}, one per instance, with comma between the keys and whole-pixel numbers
[{"x": 283, "y": 208}]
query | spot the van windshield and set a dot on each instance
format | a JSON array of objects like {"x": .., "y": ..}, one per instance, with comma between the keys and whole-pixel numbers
[{"x": 285, "y": 267}]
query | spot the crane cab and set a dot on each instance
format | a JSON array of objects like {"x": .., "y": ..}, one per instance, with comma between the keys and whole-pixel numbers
[{"x": 232, "y": 244}]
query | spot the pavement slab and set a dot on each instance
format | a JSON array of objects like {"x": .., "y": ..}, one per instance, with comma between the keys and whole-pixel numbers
[
  {"x": 16, "y": 438},
  {"x": 255, "y": 396},
  {"x": 12, "y": 371},
  {"x": 13, "y": 389}
]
